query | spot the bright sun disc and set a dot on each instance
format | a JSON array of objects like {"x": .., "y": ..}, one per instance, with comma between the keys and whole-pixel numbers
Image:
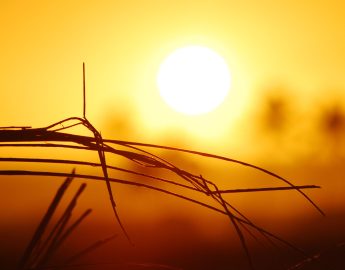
[{"x": 193, "y": 80}]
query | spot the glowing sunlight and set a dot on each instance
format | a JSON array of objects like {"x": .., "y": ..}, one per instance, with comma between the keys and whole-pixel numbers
[{"x": 193, "y": 80}]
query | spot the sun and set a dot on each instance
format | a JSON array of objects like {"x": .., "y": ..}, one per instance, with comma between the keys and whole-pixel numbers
[{"x": 193, "y": 80}]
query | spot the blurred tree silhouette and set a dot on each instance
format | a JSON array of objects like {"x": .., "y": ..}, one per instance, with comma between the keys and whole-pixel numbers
[
  {"x": 333, "y": 121},
  {"x": 276, "y": 112},
  {"x": 332, "y": 128}
]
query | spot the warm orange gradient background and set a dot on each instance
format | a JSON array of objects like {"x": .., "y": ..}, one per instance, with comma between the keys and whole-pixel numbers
[{"x": 285, "y": 112}]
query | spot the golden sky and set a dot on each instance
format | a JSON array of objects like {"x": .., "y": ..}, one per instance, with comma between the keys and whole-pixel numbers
[
  {"x": 285, "y": 109},
  {"x": 286, "y": 59},
  {"x": 294, "y": 44}
]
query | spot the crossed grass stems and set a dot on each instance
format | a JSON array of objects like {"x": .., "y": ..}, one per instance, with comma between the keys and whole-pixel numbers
[
  {"x": 55, "y": 136},
  {"x": 39, "y": 251}
]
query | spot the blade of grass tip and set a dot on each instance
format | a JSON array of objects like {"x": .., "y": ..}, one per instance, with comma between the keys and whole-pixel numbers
[
  {"x": 102, "y": 159},
  {"x": 59, "y": 228},
  {"x": 72, "y": 228},
  {"x": 250, "y": 224},
  {"x": 237, "y": 229},
  {"x": 242, "y": 239},
  {"x": 84, "y": 92},
  {"x": 251, "y": 234},
  {"x": 269, "y": 240},
  {"x": 272, "y": 253},
  {"x": 273, "y": 236},
  {"x": 265, "y": 189},
  {"x": 90, "y": 248},
  {"x": 267, "y": 235},
  {"x": 218, "y": 198},
  {"x": 44, "y": 222}
]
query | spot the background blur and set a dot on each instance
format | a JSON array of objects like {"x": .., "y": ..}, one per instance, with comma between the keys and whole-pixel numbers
[{"x": 285, "y": 112}]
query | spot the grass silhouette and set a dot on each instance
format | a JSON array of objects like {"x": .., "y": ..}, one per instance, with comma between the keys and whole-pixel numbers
[
  {"x": 58, "y": 136},
  {"x": 197, "y": 183},
  {"x": 44, "y": 244}
]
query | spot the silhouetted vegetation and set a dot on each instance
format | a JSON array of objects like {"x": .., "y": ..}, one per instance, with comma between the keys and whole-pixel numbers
[{"x": 57, "y": 136}]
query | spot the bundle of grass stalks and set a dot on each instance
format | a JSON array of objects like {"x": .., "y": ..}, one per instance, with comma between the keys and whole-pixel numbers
[{"x": 56, "y": 136}]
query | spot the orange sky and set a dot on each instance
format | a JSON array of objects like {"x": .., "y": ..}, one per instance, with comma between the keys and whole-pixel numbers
[
  {"x": 289, "y": 52},
  {"x": 291, "y": 43},
  {"x": 286, "y": 58}
]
